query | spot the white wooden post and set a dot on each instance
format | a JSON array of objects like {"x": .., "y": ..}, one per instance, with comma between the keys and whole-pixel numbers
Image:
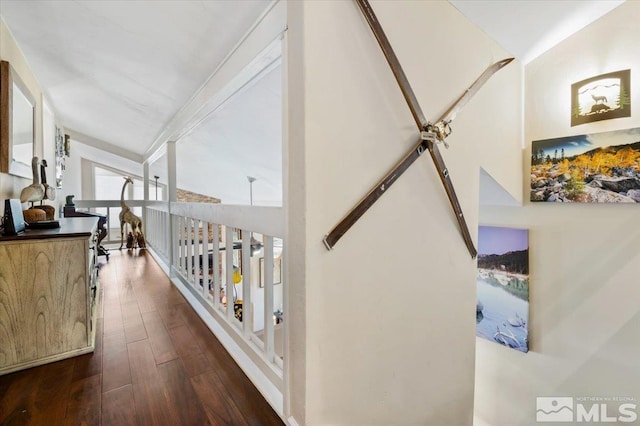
[
  {"x": 171, "y": 195},
  {"x": 285, "y": 202}
]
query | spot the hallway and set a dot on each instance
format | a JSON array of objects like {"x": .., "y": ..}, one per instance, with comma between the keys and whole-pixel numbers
[{"x": 155, "y": 363}]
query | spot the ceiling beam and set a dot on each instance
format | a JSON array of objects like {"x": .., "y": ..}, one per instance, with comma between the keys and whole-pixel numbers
[
  {"x": 104, "y": 146},
  {"x": 269, "y": 26}
]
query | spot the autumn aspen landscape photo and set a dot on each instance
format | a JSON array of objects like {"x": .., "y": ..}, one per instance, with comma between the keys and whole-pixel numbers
[{"x": 595, "y": 168}]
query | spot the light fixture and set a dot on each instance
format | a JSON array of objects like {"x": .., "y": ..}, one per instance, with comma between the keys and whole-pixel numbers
[
  {"x": 156, "y": 178},
  {"x": 251, "y": 179},
  {"x": 256, "y": 246}
]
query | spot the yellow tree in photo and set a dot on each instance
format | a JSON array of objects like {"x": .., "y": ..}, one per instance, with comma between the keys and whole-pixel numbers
[
  {"x": 610, "y": 161},
  {"x": 628, "y": 158},
  {"x": 583, "y": 163},
  {"x": 564, "y": 166},
  {"x": 602, "y": 161}
]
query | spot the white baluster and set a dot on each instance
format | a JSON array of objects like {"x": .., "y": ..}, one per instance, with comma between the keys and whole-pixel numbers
[
  {"x": 189, "y": 255},
  {"x": 205, "y": 259},
  {"x": 268, "y": 298},
  {"x": 246, "y": 283},
  {"x": 196, "y": 253},
  {"x": 216, "y": 265},
  {"x": 229, "y": 266}
]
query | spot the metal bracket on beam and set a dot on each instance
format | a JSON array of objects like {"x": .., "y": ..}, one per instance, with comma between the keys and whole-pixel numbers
[{"x": 428, "y": 136}]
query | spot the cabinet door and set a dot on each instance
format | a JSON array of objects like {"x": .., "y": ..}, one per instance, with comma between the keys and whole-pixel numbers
[{"x": 43, "y": 310}]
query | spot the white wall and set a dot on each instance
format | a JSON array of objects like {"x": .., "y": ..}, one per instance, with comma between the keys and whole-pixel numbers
[
  {"x": 10, "y": 186},
  {"x": 49, "y": 142},
  {"x": 584, "y": 259},
  {"x": 387, "y": 315},
  {"x": 72, "y": 183}
]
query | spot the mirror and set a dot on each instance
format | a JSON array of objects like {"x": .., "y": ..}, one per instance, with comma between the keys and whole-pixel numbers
[{"x": 17, "y": 109}]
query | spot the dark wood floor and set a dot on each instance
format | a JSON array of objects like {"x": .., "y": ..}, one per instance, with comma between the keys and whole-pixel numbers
[{"x": 155, "y": 363}]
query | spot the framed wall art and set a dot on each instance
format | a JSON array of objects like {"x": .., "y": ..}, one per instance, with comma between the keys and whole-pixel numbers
[
  {"x": 502, "y": 306},
  {"x": 17, "y": 123},
  {"x": 277, "y": 271},
  {"x": 594, "y": 168},
  {"x": 602, "y": 97},
  {"x": 60, "y": 156}
]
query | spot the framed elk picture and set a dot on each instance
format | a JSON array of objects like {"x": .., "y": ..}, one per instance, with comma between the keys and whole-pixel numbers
[{"x": 601, "y": 98}]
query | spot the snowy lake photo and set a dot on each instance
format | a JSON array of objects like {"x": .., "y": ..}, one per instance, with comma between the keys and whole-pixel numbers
[{"x": 502, "y": 307}]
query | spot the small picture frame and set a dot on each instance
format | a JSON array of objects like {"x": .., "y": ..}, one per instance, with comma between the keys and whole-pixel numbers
[
  {"x": 60, "y": 157},
  {"x": 277, "y": 271}
]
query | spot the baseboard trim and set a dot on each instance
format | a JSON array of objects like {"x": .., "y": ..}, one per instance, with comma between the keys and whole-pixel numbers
[
  {"x": 291, "y": 421},
  {"x": 161, "y": 261}
]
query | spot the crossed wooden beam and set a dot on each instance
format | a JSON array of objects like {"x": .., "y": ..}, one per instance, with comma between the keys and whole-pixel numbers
[{"x": 430, "y": 135}]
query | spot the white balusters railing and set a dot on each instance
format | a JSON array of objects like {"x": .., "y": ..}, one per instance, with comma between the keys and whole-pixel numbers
[
  {"x": 157, "y": 229},
  {"x": 201, "y": 244},
  {"x": 208, "y": 248}
]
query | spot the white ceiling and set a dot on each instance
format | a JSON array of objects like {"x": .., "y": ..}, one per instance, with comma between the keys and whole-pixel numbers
[
  {"x": 218, "y": 155},
  {"x": 528, "y": 28},
  {"x": 118, "y": 71}
]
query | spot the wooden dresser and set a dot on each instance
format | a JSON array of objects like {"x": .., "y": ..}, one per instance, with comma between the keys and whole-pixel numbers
[{"x": 48, "y": 288}]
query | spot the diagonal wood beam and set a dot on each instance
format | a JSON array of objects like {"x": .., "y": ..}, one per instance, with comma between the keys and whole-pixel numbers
[{"x": 430, "y": 133}]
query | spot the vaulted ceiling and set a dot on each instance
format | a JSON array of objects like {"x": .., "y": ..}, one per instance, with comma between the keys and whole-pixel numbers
[
  {"x": 118, "y": 71},
  {"x": 528, "y": 28}
]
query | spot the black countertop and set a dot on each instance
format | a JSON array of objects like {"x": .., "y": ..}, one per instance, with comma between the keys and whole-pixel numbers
[{"x": 69, "y": 227}]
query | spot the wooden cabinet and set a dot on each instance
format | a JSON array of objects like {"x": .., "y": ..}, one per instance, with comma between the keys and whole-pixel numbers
[{"x": 48, "y": 288}]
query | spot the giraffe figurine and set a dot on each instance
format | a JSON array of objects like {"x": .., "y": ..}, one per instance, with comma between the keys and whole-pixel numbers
[{"x": 127, "y": 216}]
